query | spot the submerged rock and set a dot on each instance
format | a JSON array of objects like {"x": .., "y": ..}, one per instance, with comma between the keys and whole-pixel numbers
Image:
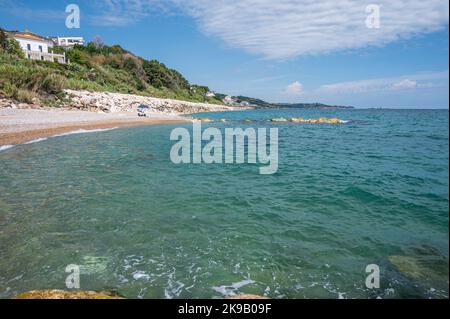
[
  {"x": 206, "y": 120},
  {"x": 279, "y": 120},
  {"x": 94, "y": 265},
  {"x": 62, "y": 294},
  {"x": 321, "y": 120},
  {"x": 409, "y": 266}
]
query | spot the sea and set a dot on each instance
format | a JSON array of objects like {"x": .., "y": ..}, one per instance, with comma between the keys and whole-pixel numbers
[{"x": 355, "y": 210}]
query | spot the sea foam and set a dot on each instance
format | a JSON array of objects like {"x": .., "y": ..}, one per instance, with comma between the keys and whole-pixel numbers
[
  {"x": 36, "y": 140},
  {"x": 5, "y": 147},
  {"x": 83, "y": 131}
]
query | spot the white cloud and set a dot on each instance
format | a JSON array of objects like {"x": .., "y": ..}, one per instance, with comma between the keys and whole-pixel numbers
[
  {"x": 295, "y": 88},
  {"x": 122, "y": 12},
  {"x": 288, "y": 28},
  {"x": 406, "y": 82}
]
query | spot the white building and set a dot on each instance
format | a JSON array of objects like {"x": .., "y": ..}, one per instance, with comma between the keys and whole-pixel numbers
[
  {"x": 36, "y": 47},
  {"x": 68, "y": 42},
  {"x": 229, "y": 100}
]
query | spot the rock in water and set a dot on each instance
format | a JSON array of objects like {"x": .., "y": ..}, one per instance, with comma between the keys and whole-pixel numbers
[
  {"x": 246, "y": 296},
  {"x": 279, "y": 120},
  {"x": 322, "y": 120},
  {"x": 62, "y": 294},
  {"x": 94, "y": 265},
  {"x": 409, "y": 266},
  {"x": 206, "y": 120}
]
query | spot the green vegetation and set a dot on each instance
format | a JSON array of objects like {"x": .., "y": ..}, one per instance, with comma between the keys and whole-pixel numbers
[
  {"x": 263, "y": 104},
  {"x": 95, "y": 67},
  {"x": 9, "y": 45},
  {"x": 98, "y": 67}
]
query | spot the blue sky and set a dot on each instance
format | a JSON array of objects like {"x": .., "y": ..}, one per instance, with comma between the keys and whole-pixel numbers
[{"x": 280, "y": 51}]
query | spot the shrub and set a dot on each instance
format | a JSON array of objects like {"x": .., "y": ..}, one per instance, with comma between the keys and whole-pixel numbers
[
  {"x": 99, "y": 59},
  {"x": 25, "y": 96},
  {"x": 80, "y": 57},
  {"x": 53, "y": 83},
  {"x": 79, "y": 84},
  {"x": 8, "y": 90},
  {"x": 3, "y": 41},
  {"x": 14, "y": 48}
]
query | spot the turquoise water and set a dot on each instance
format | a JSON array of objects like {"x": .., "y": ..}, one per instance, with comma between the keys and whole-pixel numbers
[{"x": 344, "y": 196}]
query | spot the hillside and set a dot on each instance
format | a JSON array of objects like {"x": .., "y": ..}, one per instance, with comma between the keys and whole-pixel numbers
[
  {"x": 263, "y": 104},
  {"x": 95, "y": 67}
]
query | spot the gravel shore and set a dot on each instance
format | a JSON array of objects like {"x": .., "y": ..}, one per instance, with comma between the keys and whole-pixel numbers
[{"x": 22, "y": 125}]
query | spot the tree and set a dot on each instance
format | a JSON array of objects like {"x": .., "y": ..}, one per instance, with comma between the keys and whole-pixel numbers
[
  {"x": 9, "y": 45},
  {"x": 98, "y": 42},
  {"x": 14, "y": 48},
  {"x": 3, "y": 40}
]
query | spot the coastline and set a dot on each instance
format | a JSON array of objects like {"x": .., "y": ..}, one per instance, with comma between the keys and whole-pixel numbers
[
  {"x": 21, "y": 123},
  {"x": 18, "y": 126}
]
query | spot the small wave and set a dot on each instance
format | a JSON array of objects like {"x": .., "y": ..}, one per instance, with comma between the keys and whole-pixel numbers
[
  {"x": 231, "y": 290},
  {"x": 36, "y": 140},
  {"x": 80, "y": 131},
  {"x": 5, "y": 147},
  {"x": 141, "y": 275},
  {"x": 83, "y": 131}
]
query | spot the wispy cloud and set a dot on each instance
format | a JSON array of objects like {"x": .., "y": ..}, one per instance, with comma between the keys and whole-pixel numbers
[
  {"x": 284, "y": 28},
  {"x": 278, "y": 29},
  {"x": 120, "y": 13},
  {"x": 407, "y": 82},
  {"x": 117, "y": 13},
  {"x": 16, "y": 8},
  {"x": 288, "y": 28}
]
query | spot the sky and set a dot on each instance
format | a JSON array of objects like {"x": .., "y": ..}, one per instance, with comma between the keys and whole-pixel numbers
[{"x": 362, "y": 53}]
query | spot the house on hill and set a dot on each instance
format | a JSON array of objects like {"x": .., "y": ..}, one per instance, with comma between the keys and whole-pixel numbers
[
  {"x": 36, "y": 47},
  {"x": 68, "y": 42}
]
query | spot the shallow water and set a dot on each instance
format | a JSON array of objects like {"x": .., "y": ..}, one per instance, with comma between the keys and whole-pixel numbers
[{"x": 373, "y": 191}]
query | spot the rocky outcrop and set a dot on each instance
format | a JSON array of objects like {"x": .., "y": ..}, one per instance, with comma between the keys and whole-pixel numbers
[
  {"x": 8, "y": 103},
  {"x": 62, "y": 294},
  {"x": 321, "y": 120},
  {"x": 247, "y": 296},
  {"x": 117, "y": 102}
]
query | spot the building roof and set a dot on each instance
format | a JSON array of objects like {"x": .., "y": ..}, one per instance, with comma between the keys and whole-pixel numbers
[{"x": 29, "y": 36}]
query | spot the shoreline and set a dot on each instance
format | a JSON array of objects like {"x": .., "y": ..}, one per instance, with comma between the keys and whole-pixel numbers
[
  {"x": 25, "y": 125},
  {"x": 30, "y": 135},
  {"x": 21, "y": 123}
]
